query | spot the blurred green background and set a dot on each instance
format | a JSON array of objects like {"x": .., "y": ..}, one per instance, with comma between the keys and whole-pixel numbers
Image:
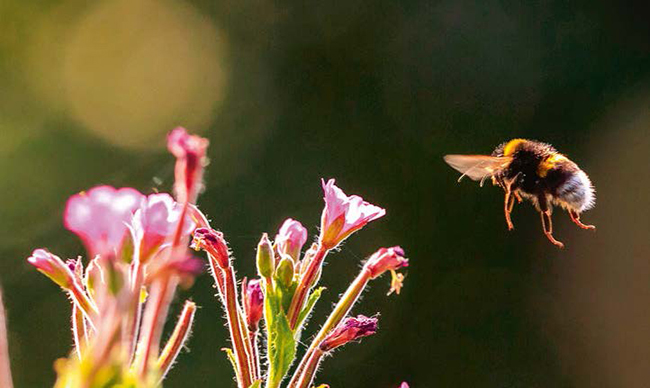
[{"x": 372, "y": 93}]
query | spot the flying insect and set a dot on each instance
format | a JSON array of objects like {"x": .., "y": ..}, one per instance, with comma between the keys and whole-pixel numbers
[{"x": 535, "y": 171}]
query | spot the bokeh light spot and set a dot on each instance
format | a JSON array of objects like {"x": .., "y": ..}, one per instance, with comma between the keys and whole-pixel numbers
[{"x": 135, "y": 69}]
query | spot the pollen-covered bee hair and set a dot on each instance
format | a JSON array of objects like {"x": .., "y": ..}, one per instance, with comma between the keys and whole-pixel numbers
[{"x": 528, "y": 169}]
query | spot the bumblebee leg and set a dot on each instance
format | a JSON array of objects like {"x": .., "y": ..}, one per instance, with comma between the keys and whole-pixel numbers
[
  {"x": 547, "y": 223},
  {"x": 511, "y": 204},
  {"x": 575, "y": 217},
  {"x": 507, "y": 207}
]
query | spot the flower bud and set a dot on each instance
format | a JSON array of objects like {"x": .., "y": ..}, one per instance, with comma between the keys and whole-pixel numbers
[
  {"x": 351, "y": 329},
  {"x": 212, "y": 242},
  {"x": 189, "y": 151},
  {"x": 386, "y": 259},
  {"x": 52, "y": 267},
  {"x": 290, "y": 239},
  {"x": 265, "y": 259},
  {"x": 284, "y": 273},
  {"x": 253, "y": 302}
]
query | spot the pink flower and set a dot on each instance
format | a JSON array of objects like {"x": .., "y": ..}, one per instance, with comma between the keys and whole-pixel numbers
[
  {"x": 155, "y": 222},
  {"x": 212, "y": 242},
  {"x": 52, "y": 267},
  {"x": 291, "y": 237},
  {"x": 404, "y": 385},
  {"x": 253, "y": 302},
  {"x": 100, "y": 216},
  {"x": 344, "y": 215},
  {"x": 351, "y": 329},
  {"x": 189, "y": 151},
  {"x": 386, "y": 259}
]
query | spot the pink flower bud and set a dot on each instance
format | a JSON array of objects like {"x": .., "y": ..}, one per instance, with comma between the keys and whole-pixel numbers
[
  {"x": 253, "y": 302},
  {"x": 351, "y": 329},
  {"x": 52, "y": 267},
  {"x": 344, "y": 215},
  {"x": 404, "y": 385},
  {"x": 212, "y": 242},
  {"x": 100, "y": 216},
  {"x": 155, "y": 222},
  {"x": 290, "y": 239},
  {"x": 189, "y": 151},
  {"x": 386, "y": 259}
]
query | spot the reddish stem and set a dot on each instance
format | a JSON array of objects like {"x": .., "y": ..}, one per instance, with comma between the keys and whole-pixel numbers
[
  {"x": 81, "y": 300},
  {"x": 153, "y": 321},
  {"x": 310, "y": 369},
  {"x": 306, "y": 282},
  {"x": 242, "y": 356},
  {"x": 135, "y": 312},
  {"x": 78, "y": 330},
  {"x": 5, "y": 370},
  {"x": 340, "y": 311},
  {"x": 177, "y": 339}
]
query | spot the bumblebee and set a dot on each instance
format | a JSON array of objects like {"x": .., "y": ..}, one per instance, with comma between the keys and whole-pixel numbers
[{"x": 527, "y": 169}]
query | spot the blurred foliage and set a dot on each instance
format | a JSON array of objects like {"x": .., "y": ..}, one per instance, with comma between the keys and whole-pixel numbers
[{"x": 372, "y": 93}]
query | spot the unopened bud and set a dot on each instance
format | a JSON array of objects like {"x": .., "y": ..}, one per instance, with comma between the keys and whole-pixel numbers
[
  {"x": 290, "y": 239},
  {"x": 52, "y": 267},
  {"x": 386, "y": 259},
  {"x": 212, "y": 242},
  {"x": 351, "y": 329},
  {"x": 265, "y": 260},
  {"x": 189, "y": 151},
  {"x": 284, "y": 273},
  {"x": 253, "y": 302}
]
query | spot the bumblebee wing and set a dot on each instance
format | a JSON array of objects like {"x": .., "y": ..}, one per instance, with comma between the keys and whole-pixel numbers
[{"x": 477, "y": 167}]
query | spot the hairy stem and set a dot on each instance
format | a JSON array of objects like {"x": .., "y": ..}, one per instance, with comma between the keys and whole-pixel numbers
[
  {"x": 341, "y": 309},
  {"x": 153, "y": 321},
  {"x": 78, "y": 330},
  {"x": 5, "y": 370},
  {"x": 242, "y": 356},
  {"x": 177, "y": 339},
  {"x": 306, "y": 283},
  {"x": 310, "y": 369}
]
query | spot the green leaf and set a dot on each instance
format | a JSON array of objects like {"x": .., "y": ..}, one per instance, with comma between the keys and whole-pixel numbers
[
  {"x": 281, "y": 345},
  {"x": 311, "y": 302},
  {"x": 256, "y": 384},
  {"x": 231, "y": 358}
]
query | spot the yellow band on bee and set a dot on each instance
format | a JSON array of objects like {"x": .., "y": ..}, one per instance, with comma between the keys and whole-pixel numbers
[
  {"x": 548, "y": 163},
  {"x": 511, "y": 147}
]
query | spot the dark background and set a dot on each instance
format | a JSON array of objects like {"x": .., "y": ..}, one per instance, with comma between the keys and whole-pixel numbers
[{"x": 373, "y": 93}]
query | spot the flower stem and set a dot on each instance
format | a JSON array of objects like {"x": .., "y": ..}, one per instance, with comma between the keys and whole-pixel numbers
[
  {"x": 79, "y": 334},
  {"x": 310, "y": 369},
  {"x": 135, "y": 309},
  {"x": 153, "y": 321},
  {"x": 306, "y": 282},
  {"x": 242, "y": 356},
  {"x": 341, "y": 309},
  {"x": 177, "y": 339},
  {"x": 5, "y": 370},
  {"x": 255, "y": 355},
  {"x": 84, "y": 303}
]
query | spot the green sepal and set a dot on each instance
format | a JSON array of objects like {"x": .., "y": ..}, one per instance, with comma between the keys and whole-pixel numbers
[
  {"x": 231, "y": 358},
  {"x": 309, "y": 306},
  {"x": 256, "y": 384}
]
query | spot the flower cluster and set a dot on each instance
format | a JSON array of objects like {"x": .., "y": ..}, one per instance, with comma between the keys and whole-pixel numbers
[{"x": 138, "y": 255}]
